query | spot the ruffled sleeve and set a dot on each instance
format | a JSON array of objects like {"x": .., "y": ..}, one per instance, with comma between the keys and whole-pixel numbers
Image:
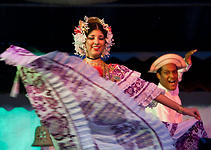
[{"x": 142, "y": 91}]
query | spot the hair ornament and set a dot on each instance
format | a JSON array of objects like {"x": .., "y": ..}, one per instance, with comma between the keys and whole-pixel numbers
[{"x": 79, "y": 36}]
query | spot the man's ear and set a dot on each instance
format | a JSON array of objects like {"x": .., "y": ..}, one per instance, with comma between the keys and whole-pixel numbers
[{"x": 158, "y": 75}]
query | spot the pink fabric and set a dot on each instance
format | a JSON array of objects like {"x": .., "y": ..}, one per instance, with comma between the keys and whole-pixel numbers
[
  {"x": 142, "y": 91},
  {"x": 187, "y": 134},
  {"x": 165, "y": 113},
  {"x": 71, "y": 99}
]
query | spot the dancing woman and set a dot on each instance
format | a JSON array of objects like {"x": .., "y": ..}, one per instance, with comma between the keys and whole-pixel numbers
[{"x": 88, "y": 104}]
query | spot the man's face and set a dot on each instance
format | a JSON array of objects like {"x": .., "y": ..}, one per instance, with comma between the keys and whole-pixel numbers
[{"x": 168, "y": 76}]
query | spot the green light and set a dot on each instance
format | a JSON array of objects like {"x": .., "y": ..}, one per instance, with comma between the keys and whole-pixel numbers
[{"x": 17, "y": 129}]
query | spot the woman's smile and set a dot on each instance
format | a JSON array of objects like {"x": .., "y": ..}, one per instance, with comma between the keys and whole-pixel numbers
[{"x": 95, "y": 44}]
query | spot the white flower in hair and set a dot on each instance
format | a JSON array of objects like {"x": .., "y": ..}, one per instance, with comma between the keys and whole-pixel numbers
[{"x": 80, "y": 37}]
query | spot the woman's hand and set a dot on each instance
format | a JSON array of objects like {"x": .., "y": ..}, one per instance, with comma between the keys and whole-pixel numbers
[{"x": 191, "y": 112}]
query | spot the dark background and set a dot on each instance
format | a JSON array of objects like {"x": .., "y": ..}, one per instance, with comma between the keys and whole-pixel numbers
[
  {"x": 154, "y": 26},
  {"x": 138, "y": 26}
]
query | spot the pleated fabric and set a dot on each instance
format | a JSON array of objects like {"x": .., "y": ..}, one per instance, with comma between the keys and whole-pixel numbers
[{"x": 83, "y": 110}]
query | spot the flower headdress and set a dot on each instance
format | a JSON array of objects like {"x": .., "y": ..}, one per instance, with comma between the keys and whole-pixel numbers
[{"x": 79, "y": 36}]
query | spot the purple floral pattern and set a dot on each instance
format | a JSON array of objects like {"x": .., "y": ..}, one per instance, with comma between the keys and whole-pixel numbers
[
  {"x": 99, "y": 111},
  {"x": 173, "y": 127},
  {"x": 46, "y": 107},
  {"x": 54, "y": 91},
  {"x": 189, "y": 140},
  {"x": 142, "y": 91},
  {"x": 132, "y": 131}
]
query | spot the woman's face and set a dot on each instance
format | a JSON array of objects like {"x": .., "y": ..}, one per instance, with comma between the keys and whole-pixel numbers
[{"x": 95, "y": 44}]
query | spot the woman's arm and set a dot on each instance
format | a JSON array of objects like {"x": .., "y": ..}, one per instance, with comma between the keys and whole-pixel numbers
[{"x": 173, "y": 105}]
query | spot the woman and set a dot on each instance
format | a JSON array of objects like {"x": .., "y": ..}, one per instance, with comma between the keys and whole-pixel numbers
[{"x": 85, "y": 111}]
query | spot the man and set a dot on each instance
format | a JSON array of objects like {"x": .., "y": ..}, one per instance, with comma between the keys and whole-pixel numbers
[{"x": 169, "y": 69}]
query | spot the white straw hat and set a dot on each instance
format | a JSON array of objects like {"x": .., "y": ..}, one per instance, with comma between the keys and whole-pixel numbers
[{"x": 166, "y": 59}]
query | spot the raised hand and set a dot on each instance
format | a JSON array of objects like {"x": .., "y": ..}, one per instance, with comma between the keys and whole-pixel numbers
[{"x": 188, "y": 56}]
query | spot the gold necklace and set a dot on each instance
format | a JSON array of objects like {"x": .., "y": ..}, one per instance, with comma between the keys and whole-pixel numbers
[{"x": 99, "y": 63}]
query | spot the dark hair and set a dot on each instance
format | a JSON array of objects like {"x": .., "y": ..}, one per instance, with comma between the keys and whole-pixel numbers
[
  {"x": 160, "y": 69},
  {"x": 94, "y": 24}
]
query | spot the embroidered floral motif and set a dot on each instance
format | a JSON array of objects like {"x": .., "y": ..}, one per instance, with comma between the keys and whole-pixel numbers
[
  {"x": 46, "y": 107},
  {"x": 189, "y": 141},
  {"x": 136, "y": 87},
  {"x": 129, "y": 132},
  {"x": 106, "y": 100}
]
